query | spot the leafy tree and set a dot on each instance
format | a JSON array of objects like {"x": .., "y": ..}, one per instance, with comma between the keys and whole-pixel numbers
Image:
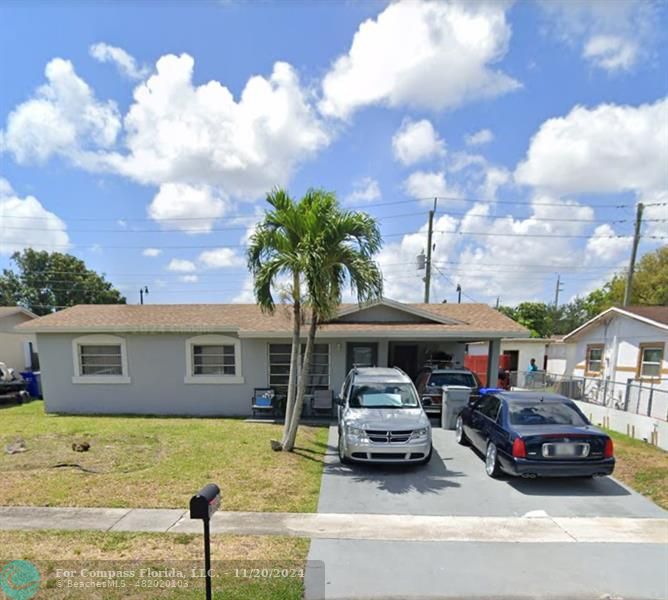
[
  {"x": 44, "y": 282},
  {"x": 537, "y": 317},
  {"x": 320, "y": 248}
]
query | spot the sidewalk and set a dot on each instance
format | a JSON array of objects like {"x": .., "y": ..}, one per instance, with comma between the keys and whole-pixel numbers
[{"x": 528, "y": 529}]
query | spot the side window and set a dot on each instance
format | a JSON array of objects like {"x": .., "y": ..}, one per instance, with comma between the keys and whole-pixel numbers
[{"x": 489, "y": 406}]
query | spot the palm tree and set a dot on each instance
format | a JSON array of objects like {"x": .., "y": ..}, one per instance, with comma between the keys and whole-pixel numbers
[
  {"x": 338, "y": 249},
  {"x": 316, "y": 242},
  {"x": 274, "y": 250}
]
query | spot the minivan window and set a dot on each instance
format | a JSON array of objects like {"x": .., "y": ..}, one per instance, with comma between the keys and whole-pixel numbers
[
  {"x": 545, "y": 413},
  {"x": 380, "y": 395}
]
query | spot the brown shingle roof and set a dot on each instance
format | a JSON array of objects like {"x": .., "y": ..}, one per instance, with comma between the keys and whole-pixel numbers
[
  {"x": 249, "y": 319},
  {"x": 6, "y": 311},
  {"x": 654, "y": 313}
]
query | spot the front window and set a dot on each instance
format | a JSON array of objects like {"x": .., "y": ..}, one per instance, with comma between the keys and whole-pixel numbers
[
  {"x": 594, "y": 363},
  {"x": 100, "y": 359},
  {"x": 545, "y": 413},
  {"x": 438, "y": 380},
  {"x": 651, "y": 360},
  {"x": 214, "y": 359},
  {"x": 378, "y": 395},
  {"x": 279, "y": 367}
]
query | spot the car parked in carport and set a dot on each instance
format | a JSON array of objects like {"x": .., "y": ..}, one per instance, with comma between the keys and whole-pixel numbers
[{"x": 533, "y": 434}]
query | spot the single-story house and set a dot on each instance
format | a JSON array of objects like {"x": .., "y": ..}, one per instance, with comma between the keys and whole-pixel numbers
[
  {"x": 206, "y": 359},
  {"x": 18, "y": 350},
  {"x": 622, "y": 344}
]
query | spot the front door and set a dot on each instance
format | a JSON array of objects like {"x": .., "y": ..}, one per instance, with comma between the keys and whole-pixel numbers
[
  {"x": 361, "y": 354},
  {"x": 405, "y": 357}
]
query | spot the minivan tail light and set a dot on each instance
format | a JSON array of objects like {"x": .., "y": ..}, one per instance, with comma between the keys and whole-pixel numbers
[
  {"x": 519, "y": 448},
  {"x": 609, "y": 450}
]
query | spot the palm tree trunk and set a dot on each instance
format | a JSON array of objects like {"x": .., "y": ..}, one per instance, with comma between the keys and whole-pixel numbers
[
  {"x": 301, "y": 390},
  {"x": 294, "y": 357}
]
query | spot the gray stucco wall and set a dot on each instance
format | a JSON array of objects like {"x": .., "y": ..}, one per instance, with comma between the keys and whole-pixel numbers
[{"x": 156, "y": 366}]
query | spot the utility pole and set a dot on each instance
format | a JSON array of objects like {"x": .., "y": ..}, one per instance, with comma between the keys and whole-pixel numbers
[
  {"x": 559, "y": 288},
  {"x": 459, "y": 294},
  {"x": 427, "y": 276},
  {"x": 498, "y": 301},
  {"x": 634, "y": 251},
  {"x": 142, "y": 291}
]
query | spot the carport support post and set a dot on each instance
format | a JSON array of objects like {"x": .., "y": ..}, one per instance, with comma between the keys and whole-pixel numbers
[{"x": 494, "y": 349}]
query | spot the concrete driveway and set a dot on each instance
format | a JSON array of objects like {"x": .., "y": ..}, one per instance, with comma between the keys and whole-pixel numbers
[{"x": 455, "y": 484}]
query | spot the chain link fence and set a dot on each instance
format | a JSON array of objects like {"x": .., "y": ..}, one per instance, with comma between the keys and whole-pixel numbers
[{"x": 638, "y": 397}]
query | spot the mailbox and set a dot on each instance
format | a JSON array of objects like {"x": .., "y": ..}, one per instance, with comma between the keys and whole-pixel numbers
[{"x": 205, "y": 502}]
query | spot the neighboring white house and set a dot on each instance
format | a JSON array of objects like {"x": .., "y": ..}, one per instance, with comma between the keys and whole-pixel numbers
[
  {"x": 17, "y": 349},
  {"x": 195, "y": 359},
  {"x": 623, "y": 351}
]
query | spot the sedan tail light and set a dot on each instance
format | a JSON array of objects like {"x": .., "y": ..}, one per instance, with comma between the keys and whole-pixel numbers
[
  {"x": 519, "y": 448},
  {"x": 609, "y": 450}
]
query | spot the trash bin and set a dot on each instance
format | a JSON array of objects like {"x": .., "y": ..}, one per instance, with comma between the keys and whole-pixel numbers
[
  {"x": 455, "y": 398},
  {"x": 33, "y": 383}
]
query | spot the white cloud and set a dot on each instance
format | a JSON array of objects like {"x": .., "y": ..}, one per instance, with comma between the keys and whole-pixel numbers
[
  {"x": 221, "y": 258},
  {"x": 425, "y": 54},
  {"x": 176, "y": 133},
  {"x": 180, "y": 133},
  {"x": 189, "y": 278},
  {"x": 426, "y": 185},
  {"x": 181, "y": 265},
  {"x": 151, "y": 252},
  {"x": 190, "y": 208},
  {"x": 416, "y": 141},
  {"x": 505, "y": 265},
  {"x": 604, "y": 248},
  {"x": 611, "y": 52},
  {"x": 612, "y": 35},
  {"x": 364, "y": 190},
  {"x": 26, "y": 223},
  {"x": 63, "y": 117},
  {"x": 124, "y": 62},
  {"x": 484, "y": 136},
  {"x": 607, "y": 149}
]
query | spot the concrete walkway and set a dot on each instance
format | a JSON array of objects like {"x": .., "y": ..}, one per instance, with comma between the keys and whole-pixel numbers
[{"x": 533, "y": 529}]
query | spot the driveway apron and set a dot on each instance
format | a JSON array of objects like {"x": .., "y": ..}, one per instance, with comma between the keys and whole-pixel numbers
[{"x": 455, "y": 484}]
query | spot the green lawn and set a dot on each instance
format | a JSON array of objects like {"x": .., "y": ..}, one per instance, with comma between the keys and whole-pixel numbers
[
  {"x": 155, "y": 462},
  {"x": 642, "y": 466},
  {"x": 232, "y": 558}
]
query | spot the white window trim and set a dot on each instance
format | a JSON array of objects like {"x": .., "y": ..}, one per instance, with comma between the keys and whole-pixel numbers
[
  {"x": 215, "y": 340},
  {"x": 100, "y": 340}
]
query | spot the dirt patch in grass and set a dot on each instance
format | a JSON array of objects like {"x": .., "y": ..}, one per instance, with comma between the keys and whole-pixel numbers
[
  {"x": 156, "y": 462},
  {"x": 642, "y": 466},
  {"x": 279, "y": 561}
]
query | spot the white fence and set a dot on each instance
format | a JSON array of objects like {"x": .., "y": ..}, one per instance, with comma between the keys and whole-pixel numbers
[{"x": 635, "y": 397}]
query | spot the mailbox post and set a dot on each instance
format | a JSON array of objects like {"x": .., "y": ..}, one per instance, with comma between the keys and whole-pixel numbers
[{"x": 202, "y": 506}]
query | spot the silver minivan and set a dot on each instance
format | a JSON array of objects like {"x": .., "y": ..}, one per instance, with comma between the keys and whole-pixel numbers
[{"x": 381, "y": 418}]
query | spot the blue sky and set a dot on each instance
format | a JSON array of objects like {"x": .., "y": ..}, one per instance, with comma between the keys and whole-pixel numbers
[{"x": 142, "y": 137}]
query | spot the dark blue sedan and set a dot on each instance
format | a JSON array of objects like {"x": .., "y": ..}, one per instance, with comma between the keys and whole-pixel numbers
[{"x": 533, "y": 434}]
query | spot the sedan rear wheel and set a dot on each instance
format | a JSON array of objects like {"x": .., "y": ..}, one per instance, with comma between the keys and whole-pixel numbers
[
  {"x": 492, "y": 467},
  {"x": 460, "y": 436}
]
